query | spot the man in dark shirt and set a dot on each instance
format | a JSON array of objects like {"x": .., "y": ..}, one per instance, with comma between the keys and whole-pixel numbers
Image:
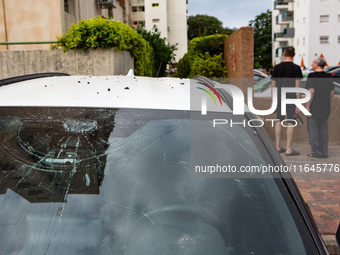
[
  {"x": 321, "y": 87},
  {"x": 286, "y": 74}
]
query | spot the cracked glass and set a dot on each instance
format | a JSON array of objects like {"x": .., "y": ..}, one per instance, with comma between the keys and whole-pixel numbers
[{"x": 117, "y": 181}]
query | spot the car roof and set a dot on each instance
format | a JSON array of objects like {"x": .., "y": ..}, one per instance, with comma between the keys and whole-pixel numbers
[
  {"x": 334, "y": 70},
  {"x": 260, "y": 73},
  {"x": 330, "y": 68},
  {"x": 98, "y": 91},
  {"x": 103, "y": 92}
]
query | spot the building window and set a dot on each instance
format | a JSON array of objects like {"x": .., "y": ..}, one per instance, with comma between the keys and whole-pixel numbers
[
  {"x": 69, "y": 6},
  {"x": 66, "y": 6},
  {"x": 155, "y": 20},
  {"x": 155, "y": 5},
  {"x": 324, "y": 18},
  {"x": 324, "y": 39},
  {"x": 338, "y": 38},
  {"x": 137, "y": 8},
  {"x": 338, "y": 18}
]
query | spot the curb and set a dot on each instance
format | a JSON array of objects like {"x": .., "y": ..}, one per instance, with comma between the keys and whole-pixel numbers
[{"x": 331, "y": 244}]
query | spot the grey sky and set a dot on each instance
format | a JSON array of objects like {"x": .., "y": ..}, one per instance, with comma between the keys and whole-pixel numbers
[{"x": 233, "y": 13}]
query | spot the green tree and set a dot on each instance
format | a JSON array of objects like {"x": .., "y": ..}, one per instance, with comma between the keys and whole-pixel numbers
[
  {"x": 203, "y": 25},
  {"x": 163, "y": 53},
  {"x": 262, "y": 39},
  {"x": 204, "y": 57},
  {"x": 229, "y": 31}
]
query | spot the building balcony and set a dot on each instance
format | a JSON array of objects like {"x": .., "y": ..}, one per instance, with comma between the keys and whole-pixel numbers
[
  {"x": 136, "y": 2},
  {"x": 281, "y": 4},
  {"x": 137, "y": 13},
  {"x": 278, "y": 35},
  {"x": 285, "y": 17},
  {"x": 279, "y": 52},
  {"x": 288, "y": 32}
]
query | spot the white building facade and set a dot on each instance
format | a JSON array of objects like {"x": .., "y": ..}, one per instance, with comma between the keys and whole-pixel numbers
[
  {"x": 168, "y": 15},
  {"x": 311, "y": 26}
]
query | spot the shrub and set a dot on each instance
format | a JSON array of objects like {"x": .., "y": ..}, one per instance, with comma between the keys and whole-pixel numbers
[
  {"x": 103, "y": 33},
  {"x": 205, "y": 65},
  {"x": 214, "y": 44},
  {"x": 183, "y": 66},
  {"x": 204, "y": 57}
]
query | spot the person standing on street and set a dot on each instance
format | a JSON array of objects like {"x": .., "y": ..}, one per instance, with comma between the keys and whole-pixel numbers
[
  {"x": 321, "y": 87},
  {"x": 286, "y": 74}
]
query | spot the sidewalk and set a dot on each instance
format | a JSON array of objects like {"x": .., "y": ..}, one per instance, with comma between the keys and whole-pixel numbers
[{"x": 321, "y": 191}]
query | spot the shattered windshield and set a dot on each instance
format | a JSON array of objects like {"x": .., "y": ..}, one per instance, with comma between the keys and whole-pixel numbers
[{"x": 117, "y": 181}]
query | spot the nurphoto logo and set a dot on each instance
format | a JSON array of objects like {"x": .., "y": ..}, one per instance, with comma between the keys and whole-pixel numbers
[{"x": 238, "y": 107}]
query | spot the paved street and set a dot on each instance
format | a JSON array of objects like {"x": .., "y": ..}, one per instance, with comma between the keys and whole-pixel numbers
[{"x": 320, "y": 190}]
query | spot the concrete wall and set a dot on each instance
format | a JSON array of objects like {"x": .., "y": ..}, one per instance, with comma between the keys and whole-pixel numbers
[
  {"x": 239, "y": 58},
  {"x": 92, "y": 62}
]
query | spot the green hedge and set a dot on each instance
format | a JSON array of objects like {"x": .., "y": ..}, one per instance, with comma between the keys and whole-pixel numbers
[
  {"x": 214, "y": 44},
  {"x": 204, "y": 57},
  {"x": 99, "y": 32},
  {"x": 208, "y": 66}
]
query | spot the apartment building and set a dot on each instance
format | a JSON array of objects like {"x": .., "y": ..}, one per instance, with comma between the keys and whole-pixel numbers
[
  {"x": 37, "y": 21},
  {"x": 168, "y": 15},
  {"x": 43, "y": 21},
  {"x": 311, "y": 26}
]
